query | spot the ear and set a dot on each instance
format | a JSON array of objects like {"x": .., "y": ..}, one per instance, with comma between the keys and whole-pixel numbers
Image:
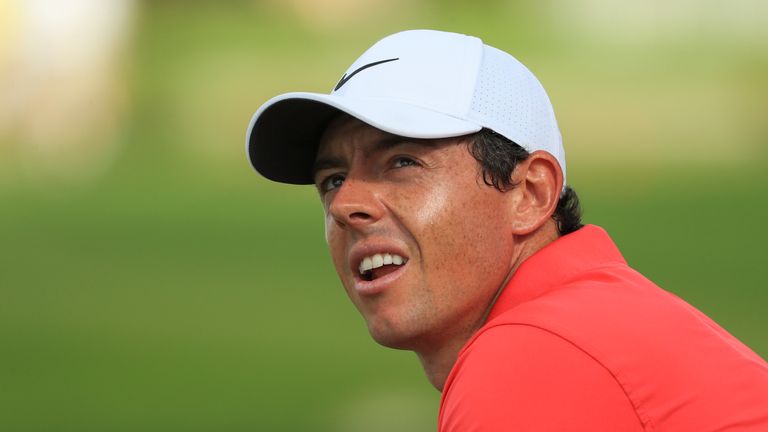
[{"x": 539, "y": 181}]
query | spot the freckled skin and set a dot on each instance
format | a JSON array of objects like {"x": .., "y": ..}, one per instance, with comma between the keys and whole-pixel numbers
[
  {"x": 455, "y": 229},
  {"x": 425, "y": 199}
]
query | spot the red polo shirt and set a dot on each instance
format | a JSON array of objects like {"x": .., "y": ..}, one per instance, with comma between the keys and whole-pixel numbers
[{"x": 579, "y": 341}]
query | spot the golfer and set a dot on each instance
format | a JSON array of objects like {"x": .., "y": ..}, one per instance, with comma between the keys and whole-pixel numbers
[{"x": 441, "y": 170}]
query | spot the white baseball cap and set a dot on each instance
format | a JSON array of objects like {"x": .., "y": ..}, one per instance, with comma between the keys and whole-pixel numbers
[{"x": 416, "y": 84}]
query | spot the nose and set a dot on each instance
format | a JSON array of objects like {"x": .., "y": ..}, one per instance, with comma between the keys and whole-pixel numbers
[{"x": 356, "y": 204}]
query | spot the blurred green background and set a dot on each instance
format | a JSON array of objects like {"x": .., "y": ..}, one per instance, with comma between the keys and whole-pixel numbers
[{"x": 150, "y": 281}]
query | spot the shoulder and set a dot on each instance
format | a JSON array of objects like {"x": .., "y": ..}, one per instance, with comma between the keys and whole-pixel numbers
[{"x": 517, "y": 375}]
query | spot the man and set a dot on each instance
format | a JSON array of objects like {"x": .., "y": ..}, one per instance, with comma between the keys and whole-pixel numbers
[{"x": 441, "y": 170}]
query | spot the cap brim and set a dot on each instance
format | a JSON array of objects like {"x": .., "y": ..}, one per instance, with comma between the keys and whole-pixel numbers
[{"x": 283, "y": 135}]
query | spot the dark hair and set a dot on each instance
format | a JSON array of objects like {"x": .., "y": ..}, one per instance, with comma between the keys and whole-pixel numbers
[{"x": 498, "y": 158}]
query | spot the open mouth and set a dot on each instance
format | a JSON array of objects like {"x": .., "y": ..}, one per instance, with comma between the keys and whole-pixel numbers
[{"x": 378, "y": 265}]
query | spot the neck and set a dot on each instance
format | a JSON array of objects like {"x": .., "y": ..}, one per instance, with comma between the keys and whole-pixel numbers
[
  {"x": 438, "y": 361},
  {"x": 438, "y": 364}
]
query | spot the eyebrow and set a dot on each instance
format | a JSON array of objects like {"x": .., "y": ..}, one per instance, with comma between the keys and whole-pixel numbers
[
  {"x": 386, "y": 142},
  {"x": 325, "y": 163}
]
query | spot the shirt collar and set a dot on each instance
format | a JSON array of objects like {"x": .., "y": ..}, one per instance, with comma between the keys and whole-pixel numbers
[{"x": 585, "y": 249}]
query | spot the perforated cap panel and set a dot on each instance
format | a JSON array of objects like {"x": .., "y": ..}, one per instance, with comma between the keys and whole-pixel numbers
[{"x": 511, "y": 101}]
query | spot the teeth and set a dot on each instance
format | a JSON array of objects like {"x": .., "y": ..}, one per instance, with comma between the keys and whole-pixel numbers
[
  {"x": 366, "y": 265},
  {"x": 378, "y": 260}
]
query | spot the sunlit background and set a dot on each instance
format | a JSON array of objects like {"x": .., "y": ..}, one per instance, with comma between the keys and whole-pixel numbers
[{"x": 149, "y": 281}]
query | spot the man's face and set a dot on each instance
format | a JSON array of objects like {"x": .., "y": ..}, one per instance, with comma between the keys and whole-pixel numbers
[{"x": 418, "y": 212}]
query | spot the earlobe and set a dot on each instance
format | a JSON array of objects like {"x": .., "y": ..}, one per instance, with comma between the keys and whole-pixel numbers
[{"x": 539, "y": 181}]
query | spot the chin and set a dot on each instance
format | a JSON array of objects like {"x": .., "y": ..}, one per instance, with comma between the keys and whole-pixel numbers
[
  {"x": 390, "y": 341},
  {"x": 392, "y": 336}
]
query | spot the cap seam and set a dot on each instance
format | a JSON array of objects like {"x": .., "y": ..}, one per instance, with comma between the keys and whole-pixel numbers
[{"x": 469, "y": 95}]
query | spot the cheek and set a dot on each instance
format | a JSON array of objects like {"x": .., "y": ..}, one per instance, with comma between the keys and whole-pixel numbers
[
  {"x": 431, "y": 209},
  {"x": 464, "y": 236},
  {"x": 336, "y": 245},
  {"x": 328, "y": 227}
]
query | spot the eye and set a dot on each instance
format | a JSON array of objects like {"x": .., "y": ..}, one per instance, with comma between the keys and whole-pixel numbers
[
  {"x": 331, "y": 182},
  {"x": 403, "y": 161}
]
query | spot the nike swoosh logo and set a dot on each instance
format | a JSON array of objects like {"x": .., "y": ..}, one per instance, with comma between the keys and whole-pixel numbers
[{"x": 346, "y": 77}]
